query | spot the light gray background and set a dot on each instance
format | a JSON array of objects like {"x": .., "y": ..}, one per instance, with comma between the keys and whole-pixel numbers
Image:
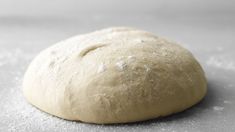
[{"x": 206, "y": 28}]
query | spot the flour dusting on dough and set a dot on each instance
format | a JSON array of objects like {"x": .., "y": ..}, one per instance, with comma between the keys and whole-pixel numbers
[
  {"x": 131, "y": 58},
  {"x": 101, "y": 68},
  {"x": 139, "y": 41},
  {"x": 146, "y": 68},
  {"x": 121, "y": 65}
]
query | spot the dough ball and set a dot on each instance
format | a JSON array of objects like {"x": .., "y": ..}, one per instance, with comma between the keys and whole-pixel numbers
[{"x": 114, "y": 75}]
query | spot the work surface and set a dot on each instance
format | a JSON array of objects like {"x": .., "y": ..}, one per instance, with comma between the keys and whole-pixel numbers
[{"x": 212, "y": 43}]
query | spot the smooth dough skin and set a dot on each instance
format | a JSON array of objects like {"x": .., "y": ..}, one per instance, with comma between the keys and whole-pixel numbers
[{"x": 115, "y": 75}]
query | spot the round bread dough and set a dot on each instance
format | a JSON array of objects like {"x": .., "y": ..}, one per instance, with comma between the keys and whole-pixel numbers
[{"x": 114, "y": 75}]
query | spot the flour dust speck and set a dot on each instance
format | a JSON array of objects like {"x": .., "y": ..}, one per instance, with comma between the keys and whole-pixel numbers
[
  {"x": 101, "y": 68},
  {"x": 121, "y": 65},
  {"x": 218, "y": 108}
]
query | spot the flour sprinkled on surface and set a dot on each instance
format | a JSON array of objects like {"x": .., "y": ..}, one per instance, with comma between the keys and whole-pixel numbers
[
  {"x": 219, "y": 48},
  {"x": 221, "y": 62},
  {"x": 218, "y": 108},
  {"x": 227, "y": 102}
]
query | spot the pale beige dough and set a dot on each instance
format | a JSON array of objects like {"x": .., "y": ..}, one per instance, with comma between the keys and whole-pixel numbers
[{"x": 114, "y": 75}]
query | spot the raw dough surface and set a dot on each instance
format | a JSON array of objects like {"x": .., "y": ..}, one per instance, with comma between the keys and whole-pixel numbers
[{"x": 114, "y": 75}]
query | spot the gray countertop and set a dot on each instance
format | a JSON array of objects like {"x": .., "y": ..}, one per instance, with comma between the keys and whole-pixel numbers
[{"x": 210, "y": 39}]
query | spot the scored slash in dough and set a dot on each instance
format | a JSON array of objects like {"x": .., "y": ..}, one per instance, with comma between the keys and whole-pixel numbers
[{"x": 114, "y": 75}]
